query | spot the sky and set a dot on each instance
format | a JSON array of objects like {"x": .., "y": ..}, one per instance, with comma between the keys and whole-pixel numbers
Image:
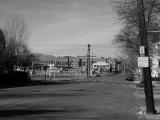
[{"x": 65, "y": 27}]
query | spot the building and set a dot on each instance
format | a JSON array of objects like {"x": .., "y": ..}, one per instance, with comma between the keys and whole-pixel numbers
[{"x": 100, "y": 65}]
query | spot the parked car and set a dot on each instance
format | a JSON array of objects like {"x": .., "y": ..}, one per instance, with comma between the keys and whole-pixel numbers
[
  {"x": 97, "y": 74},
  {"x": 130, "y": 76}
]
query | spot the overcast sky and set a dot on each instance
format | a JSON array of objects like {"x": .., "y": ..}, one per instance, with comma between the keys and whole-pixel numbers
[{"x": 65, "y": 27}]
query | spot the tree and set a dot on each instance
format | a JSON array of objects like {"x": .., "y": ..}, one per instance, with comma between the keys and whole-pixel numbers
[
  {"x": 127, "y": 11},
  {"x": 2, "y": 50},
  {"x": 2, "y": 42},
  {"x": 24, "y": 59},
  {"x": 128, "y": 40},
  {"x": 16, "y": 34},
  {"x": 128, "y": 37}
]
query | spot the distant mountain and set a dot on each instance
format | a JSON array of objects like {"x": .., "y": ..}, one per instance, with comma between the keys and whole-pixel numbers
[
  {"x": 44, "y": 57},
  {"x": 51, "y": 57}
]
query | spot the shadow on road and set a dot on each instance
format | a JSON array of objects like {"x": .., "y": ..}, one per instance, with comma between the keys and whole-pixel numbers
[
  {"x": 34, "y": 95},
  {"x": 22, "y": 112},
  {"x": 7, "y": 113},
  {"x": 37, "y": 82}
]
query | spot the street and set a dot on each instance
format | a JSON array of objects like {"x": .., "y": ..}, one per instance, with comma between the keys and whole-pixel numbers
[{"x": 109, "y": 97}]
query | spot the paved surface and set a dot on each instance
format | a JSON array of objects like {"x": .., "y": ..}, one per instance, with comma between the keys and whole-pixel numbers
[{"x": 104, "y": 98}]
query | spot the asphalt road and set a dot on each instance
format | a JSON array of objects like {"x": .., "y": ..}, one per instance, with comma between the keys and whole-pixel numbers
[{"x": 105, "y": 98}]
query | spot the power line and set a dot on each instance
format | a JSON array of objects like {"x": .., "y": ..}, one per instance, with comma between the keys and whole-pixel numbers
[
  {"x": 56, "y": 45},
  {"x": 105, "y": 46},
  {"x": 102, "y": 45}
]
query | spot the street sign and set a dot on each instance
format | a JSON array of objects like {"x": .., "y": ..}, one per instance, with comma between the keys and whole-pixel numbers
[
  {"x": 143, "y": 62},
  {"x": 142, "y": 50}
]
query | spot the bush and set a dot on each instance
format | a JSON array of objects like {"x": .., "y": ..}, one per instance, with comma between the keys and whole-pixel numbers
[{"x": 15, "y": 78}]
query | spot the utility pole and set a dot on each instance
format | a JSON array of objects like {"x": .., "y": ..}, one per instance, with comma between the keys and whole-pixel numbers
[
  {"x": 150, "y": 107},
  {"x": 68, "y": 62},
  {"x": 88, "y": 61}
]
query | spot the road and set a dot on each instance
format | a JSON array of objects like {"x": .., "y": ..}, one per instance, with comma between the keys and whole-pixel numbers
[{"x": 105, "y": 98}]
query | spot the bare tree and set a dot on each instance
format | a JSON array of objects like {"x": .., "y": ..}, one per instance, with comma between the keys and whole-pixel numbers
[
  {"x": 127, "y": 11},
  {"x": 2, "y": 50},
  {"x": 16, "y": 34},
  {"x": 128, "y": 37}
]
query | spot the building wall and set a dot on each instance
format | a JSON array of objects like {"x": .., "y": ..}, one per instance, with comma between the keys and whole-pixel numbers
[{"x": 100, "y": 65}]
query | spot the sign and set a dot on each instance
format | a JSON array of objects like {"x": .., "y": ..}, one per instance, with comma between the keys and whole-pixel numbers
[
  {"x": 143, "y": 62},
  {"x": 142, "y": 49}
]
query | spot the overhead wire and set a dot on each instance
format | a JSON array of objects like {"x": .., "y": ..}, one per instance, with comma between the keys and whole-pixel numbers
[
  {"x": 93, "y": 46},
  {"x": 71, "y": 45},
  {"x": 55, "y": 45}
]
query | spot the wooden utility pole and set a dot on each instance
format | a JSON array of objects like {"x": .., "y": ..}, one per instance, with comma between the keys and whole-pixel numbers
[
  {"x": 150, "y": 107},
  {"x": 88, "y": 61}
]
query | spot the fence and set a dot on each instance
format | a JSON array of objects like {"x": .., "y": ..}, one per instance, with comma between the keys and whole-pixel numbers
[{"x": 49, "y": 75}]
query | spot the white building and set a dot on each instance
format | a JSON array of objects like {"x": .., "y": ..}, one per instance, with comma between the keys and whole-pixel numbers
[
  {"x": 101, "y": 65},
  {"x": 51, "y": 66},
  {"x": 51, "y": 70}
]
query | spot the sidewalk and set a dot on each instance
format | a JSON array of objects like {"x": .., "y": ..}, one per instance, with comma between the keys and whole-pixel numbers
[
  {"x": 140, "y": 94},
  {"x": 151, "y": 116}
]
